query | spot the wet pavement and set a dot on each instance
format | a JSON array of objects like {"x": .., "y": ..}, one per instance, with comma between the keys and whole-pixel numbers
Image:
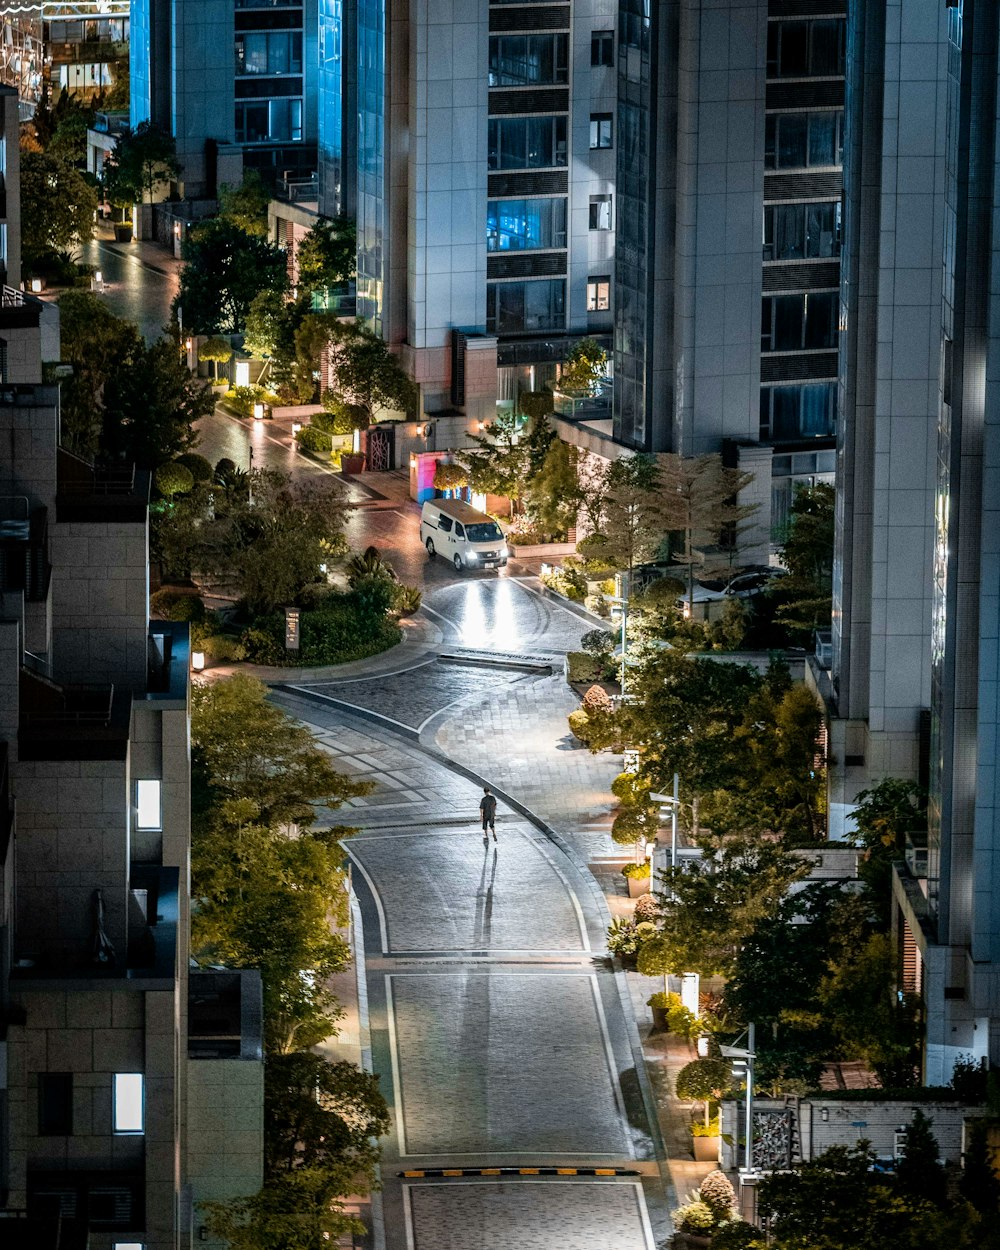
[{"x": 134, "y": 288}]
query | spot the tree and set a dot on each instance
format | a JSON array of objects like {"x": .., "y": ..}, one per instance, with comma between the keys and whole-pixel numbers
[
  {"x": 980, "y": 1185},
  {"x": 704, "y": 1080},
  {"x": 448, "y": 476},
  {"x": 245, "y": 747},
  {"x": 172, "y": 479},
  {"x": 838, "y": 1201},
  {"x": 868, "y": 1018},
  {"x": 708, "y": 909},
  {"x": 553, "y": 493},
  {"x": 366, "y": 372},
  {"x": 217, "y": 350},
  {"x": 245, "y": 206},
  {"x": 919, "y": 1172},
  {"x": 327, "y": 256},
  {"x": 883, "y": 817},
  {"x": 58, "y": 204},
  {"x": 151, "y": 401},
  {"x": 142, "y": 160},
  {"x": 499, "y": 466},
  {"x": 631, "y": 526},
  {"x": 95, "y": 342},
  {"x": 805, "y": 597},
  {"x": 700, "y": 505},
  {"x": 584, "y": 370},
  {"x": 226, "y": 269}
]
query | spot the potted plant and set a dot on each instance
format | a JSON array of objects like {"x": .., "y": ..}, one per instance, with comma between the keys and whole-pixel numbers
[
  {"x": 659, "y": 1003},
  {"x": 705, "y": 1081},
  {"x": 705, "y": 1212},
  {"x": 694, "y": 1223},
  {"x": 637, "y": 876}
]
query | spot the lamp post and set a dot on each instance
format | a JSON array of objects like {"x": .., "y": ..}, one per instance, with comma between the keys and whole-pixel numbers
[
  {"x": 673, "y": 802},
  {"x": 743, "y": 1057},
  {"x": 619, "y": 600}
]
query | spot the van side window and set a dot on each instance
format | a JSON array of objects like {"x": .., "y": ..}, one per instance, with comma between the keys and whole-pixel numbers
[
  {"x": 459, "y": 532},
  {"x": 444, "y": 524}
]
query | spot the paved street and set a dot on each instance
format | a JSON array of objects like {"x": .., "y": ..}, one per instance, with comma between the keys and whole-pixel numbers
[
  {"x": 140, "y": 291},
  {"x": 498, "y": 1027}
]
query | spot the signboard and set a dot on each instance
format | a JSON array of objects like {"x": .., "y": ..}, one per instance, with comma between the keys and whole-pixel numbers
[{"x": 291, "y": 629}]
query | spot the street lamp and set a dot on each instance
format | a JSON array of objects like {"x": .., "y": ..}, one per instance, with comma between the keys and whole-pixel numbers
[
  {"x": 673, "y": 802},
  {"x": 743, "y": 1057},
  {"x": 619, "y": 601}
]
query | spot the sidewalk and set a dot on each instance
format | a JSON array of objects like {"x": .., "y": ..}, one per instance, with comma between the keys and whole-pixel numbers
[{"x": 144, "y": 252}]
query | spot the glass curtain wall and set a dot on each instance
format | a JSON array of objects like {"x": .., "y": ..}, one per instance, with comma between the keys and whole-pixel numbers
[{"x": 371, "y": 160}]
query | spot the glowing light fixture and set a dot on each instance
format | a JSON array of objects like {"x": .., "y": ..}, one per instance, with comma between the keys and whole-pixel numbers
[
  {"x": 258, "y": 412},
  {"x": 198, "y": 661},
  {"x": 243, "y": 373}
]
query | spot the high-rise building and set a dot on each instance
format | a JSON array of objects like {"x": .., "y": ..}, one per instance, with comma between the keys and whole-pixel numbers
[
  {"x": 53, "y": 46},
  {"x": 234, "y": 81},
  {"x": 916, "y": 627},
  {"x": 483, "y": 140},
  {"x": 726, "y": 271},
  {"x": 114, "y": 1097}
]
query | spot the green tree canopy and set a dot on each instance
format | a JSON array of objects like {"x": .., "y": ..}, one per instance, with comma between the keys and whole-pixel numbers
[
  {"x": 95, "y": 342},
  {"x": 327, "y": 256},
  {"x": 553, "y": 492},
  {"x": 245, "y": 206},
  {"x": 58, "y": 204},
  {"x": 366, "y": 372},
  {"x": 805, "y": 597},
  {"x": 226, "y": 269},
  {"x": 499, "y": 465},
  {"x": 143, "y": 159},
  {"x": 584, "y": 370}
]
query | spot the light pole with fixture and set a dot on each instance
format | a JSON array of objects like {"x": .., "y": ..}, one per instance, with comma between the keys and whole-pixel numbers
[
  {"x": 743, "y": 1057},
  {"x": 619, "y": 602}
]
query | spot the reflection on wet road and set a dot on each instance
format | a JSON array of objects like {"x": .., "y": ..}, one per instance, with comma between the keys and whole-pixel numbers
[{"x": 132, "y": 290}]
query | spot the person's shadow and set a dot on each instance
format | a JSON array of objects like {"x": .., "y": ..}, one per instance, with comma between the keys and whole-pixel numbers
[{"x": 484, "y": 901}]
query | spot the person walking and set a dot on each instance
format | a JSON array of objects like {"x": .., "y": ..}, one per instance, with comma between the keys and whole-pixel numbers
[{"x": 488, "y": 811}]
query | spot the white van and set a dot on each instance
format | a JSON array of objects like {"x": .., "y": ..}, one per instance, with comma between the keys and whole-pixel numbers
[{"x": 462, "y": 534}]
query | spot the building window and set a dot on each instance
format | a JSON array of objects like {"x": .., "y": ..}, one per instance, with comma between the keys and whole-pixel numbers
[
  {"x": 129, "y": 1103},
  {"x": 269, "y": 52},
  {"x": 600, "y": 130},
  {"x": 148, "y": 813},
  {"x": 527, "y": 142},
  {"x": 803, "y": 140},
  {"x": 55, "y": 1104},
  {"x": 528, "y": 60},
  {"x": 517, "y": 307},
  {"x": 269, "y": 121},
  {"x": 128, "y": 1245},
  {"x": 598, "y": 294},
  {"x": 602, "y": 47},
  {"x": 600, "y": 212},
  {"x": 803, "y": 49},
  {"x": 790, "y": 323},
  {"x": 801, "y": 231},
  {"x": 804, "y": 410},
  {"x": 517, "y": 225}
]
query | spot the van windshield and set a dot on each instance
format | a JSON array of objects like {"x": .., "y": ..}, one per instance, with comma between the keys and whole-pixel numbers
[{"x": 490, "y": 532}]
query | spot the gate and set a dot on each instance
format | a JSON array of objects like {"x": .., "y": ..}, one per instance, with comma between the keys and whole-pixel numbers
[{"x": 381, "y": 448}]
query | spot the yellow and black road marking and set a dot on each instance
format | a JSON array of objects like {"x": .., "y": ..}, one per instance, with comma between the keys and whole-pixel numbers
[{"x": 431, "y": 1173}]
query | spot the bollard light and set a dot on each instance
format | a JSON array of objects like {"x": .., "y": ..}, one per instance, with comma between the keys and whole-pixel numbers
[
  {"x": 198, "y": 660},
  {"x": 258, "y": 412}
]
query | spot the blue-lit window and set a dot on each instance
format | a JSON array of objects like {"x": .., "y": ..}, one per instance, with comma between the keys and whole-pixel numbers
[
  {"x": 516, "y": 307},
  {"x": 803, "y": 410},
  {"x": 527, "y": 142},
  {"x": 269, "y": 52},
  {"x": 268, "y": 121},
  {"x": 528, "y": 60},
  {"x": 517, "y": 225}
]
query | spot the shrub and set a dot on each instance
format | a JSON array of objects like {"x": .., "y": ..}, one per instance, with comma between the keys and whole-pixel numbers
[
  {"x": 969, "y": 1079},
  {"x": 309, "y": 438},
  {"x": 578, "y": 725},
  {"x": 173, "y": 479},
  {"x": 632, "y": 824},
  {"x": 241, "y": 400},
  {"x": 406, "y": 600},
  {"x": 341, "y": 417},
  {"x": 695, "y": 1217},
  {"x": 681, "y": 1021},
  {"x": 646, "y": 908},
  {"x": 582, "y": 668},
  {"x": 713, "y": 1128},
  {"x": 176, "y": 605},
  {"x": 224, "y": 469},
  {"x": 638, "y": 872},
  {"x": 222, "y": 647},
  {"x": 450, "y": 476},
  {"x": 717, "y": 1193},
  {"x": 597, "y": 699},
  {"x": 341, "y": 627},
  {"x": 535, "y": 404},
  {"x": 598, "y": 605},
  {"x": 199, "y": 467},
  {"x": 623, "y": 936},
  {"x": 598, "y": 642}
]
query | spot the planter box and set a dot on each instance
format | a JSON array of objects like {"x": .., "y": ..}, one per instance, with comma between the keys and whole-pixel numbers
[
  {"x": 638, "y": 886},
  {"x": 123, "y": 233},
  {"x": 659, "y": 1018},
  {"x": 354, "y": 463},
  {"x": 706, "y": 1149}
]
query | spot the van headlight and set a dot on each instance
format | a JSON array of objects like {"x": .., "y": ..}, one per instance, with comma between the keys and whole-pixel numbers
[
  {"x": 472, "y": 556},
  {"x": 504, "y": 550}
]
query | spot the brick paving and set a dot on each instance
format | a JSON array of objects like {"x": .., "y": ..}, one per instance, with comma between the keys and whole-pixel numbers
[{"x": 567, "y": 1215}]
